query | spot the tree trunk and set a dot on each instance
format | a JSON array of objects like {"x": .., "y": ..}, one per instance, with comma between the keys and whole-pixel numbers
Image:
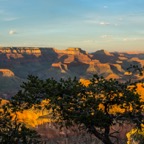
[{"x": 104, "y": 138}]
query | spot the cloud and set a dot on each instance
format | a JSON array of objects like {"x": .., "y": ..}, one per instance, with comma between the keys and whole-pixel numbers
[
  {"x": 12, "y": 32},
  {"x": 104, "y": 23},
  {"x": 97, "y": 22},
  {"x": 108, "y": 24}
]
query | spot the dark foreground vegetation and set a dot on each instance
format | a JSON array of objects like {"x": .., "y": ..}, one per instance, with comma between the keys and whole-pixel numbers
[{"x": 95, "y": 108}]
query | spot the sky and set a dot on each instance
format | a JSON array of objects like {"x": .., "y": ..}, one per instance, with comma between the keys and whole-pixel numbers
[{"x": 113, "y": 25}]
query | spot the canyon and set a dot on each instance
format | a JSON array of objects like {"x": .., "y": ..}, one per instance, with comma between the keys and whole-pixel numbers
[{"x": 16, "y": 63}]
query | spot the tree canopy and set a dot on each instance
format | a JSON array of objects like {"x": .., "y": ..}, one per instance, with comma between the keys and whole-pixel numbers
[
  {"x": 96, "y": 107},
  {"x": 12, "y": 130}
]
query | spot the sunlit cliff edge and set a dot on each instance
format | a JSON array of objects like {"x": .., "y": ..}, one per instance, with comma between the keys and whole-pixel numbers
[{"x": 16, "y": 63}]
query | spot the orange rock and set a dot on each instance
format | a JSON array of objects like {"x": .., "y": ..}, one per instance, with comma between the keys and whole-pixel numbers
[{"x": 6, "y": 73}]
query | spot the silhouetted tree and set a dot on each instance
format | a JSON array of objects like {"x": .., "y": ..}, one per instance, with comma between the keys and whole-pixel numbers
[{"x": 90, "y": 107}]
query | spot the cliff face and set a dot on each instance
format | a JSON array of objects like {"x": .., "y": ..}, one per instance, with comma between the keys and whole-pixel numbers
[
  {"x": 18, "y": 62},
  {"x": 21, "y": 50},
  {"x": 6, "y": 73}
]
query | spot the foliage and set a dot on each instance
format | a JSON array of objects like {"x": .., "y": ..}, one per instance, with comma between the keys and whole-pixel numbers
[
  {"x": 12, "y": 130},
  {"x": 135, "y": 136},
  {"x": 138, "y": 137},
  {"x": 89, "y": 106},
  {"x": 136, "y": 69}
]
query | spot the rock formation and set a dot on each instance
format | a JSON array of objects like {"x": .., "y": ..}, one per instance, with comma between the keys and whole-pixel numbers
[
  {"x": 6, "y": 73},
  {"x": 18, "y": 62}
]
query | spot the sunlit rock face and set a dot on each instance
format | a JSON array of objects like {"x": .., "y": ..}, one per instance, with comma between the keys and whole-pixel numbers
[
  {"x": 22, "y": 50},
  {"x": 16, "y": 63},
  {"x": 6, "y": 73}
]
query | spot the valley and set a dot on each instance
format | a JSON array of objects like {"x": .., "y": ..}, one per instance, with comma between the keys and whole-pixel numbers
[{"x": 16, "y": 63}]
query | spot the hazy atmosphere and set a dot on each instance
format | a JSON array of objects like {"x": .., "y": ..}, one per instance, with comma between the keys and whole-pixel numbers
[{"x": 113, "y": 25}]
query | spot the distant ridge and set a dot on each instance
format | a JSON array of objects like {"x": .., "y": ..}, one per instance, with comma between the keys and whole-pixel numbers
[
  {"x": 18, "y": 62},
  {"x": 103, "y": 52}
]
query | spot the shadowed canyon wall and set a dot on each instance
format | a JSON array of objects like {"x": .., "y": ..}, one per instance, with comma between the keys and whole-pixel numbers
[{"x": 18, "y": 62}]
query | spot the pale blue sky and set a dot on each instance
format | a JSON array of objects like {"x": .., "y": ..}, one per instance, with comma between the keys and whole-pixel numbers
[{"x": 113, "y": 25}]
